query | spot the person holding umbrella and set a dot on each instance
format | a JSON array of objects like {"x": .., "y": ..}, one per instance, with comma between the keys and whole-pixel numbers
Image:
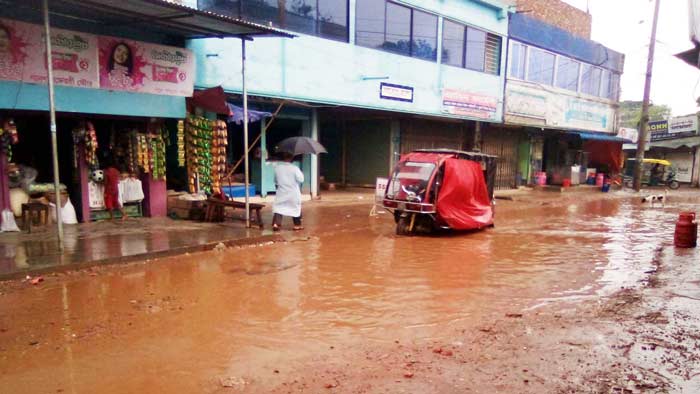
[{"x": 289, "y": 179}]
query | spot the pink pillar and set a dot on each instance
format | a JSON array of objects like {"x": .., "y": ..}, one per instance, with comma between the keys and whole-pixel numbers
[
  {"x": 4, "y": 183},
  {"x": 83, "y": 179},
  {"x": 155, "y": 197}
]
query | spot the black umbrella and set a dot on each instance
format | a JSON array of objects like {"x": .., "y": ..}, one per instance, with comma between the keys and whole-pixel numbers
[{"x": 300, "y": 146}]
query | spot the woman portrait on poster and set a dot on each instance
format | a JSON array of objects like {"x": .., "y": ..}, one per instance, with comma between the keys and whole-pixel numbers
[
  {"x": 121, "y": 61},
  {"x": 5, "y": 41}
]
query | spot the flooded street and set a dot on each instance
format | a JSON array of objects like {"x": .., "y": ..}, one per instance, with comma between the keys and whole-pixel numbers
[{"x": 547, "y": 301}]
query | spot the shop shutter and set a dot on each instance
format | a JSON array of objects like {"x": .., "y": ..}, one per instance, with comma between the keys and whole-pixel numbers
[
  {"x": 503, "y": 144},
  {"x": 422, "y": 134}
]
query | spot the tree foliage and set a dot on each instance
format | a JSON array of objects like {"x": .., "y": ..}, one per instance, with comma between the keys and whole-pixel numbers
[{"x": 631, "y": 113}]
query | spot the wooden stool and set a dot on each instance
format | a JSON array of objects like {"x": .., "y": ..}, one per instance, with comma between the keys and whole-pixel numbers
[{"x": 33, "y": 210}]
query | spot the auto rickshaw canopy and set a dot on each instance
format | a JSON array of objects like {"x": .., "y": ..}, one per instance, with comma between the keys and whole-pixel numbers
[{"x": 654, "y": 161}]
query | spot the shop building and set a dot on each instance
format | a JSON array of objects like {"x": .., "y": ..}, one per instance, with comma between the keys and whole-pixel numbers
[
  {"x": 370, "y": 79},
  {"x": 561, "y": 98},
  {"x": 120, "y": 93},
  {"x": 677, "y": 141}
]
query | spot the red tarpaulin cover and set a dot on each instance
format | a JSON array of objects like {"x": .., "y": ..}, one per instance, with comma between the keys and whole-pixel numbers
[
  {"x": 604, "y": 153},
  {"x": 463, "y": 203}
]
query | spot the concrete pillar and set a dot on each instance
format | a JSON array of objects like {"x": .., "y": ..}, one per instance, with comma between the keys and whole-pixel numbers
[
  {"x": 4, "y": 183},
  {"x": 155, "y": 193},
  {"x": 314, "y": 158},
  {"x": 695, "y": 179},
  {"x": 83, "y": 180}
]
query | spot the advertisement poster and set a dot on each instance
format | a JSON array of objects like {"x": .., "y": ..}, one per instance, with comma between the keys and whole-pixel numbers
[
  {"x": 457, "y": 102},
  {"x": 145, "y": 68},
  {"x": 22, "y": 55}
]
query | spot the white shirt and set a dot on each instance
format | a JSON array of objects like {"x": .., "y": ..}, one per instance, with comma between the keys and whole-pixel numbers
[{"x": 288, "y": 179}]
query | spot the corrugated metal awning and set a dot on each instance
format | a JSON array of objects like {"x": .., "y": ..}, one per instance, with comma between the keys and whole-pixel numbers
[
  {"x": 689, "y": 142},
  {"x": 163, "y": 16}
]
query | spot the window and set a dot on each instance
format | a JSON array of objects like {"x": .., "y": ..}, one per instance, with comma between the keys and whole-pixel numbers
[
  {"x": 605, "y": 80},
  {"x": 517, "y": 60},
  {"x": 395, "y": 28},
  {"x": 590, "y": 79},
  {"x": 615, "y": 87},
  {"x": 540, "y": 67},
  {"x": 493, "y": 54},
  {"x": 369, "y": 23},
  {"x": 452, "y": 43},
  {"x": 323, "y": 18},
  {"x": 476, "y": 49},
  {"x": 424, "y": 42},
  {"x": 465, "y": 46},
  {"x": 567, "y": 73},
  {"x": 333, "y": 19}
]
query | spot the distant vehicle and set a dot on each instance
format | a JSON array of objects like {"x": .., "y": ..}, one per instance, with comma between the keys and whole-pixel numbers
[
  {"x": 441, "y": 189},
  {"x": 655, "y": 172}
]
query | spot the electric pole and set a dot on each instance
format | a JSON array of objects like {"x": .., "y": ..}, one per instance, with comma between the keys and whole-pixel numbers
[{"x": 644, "y": 122}]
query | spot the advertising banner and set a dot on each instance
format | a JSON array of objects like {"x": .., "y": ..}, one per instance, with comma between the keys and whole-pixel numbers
[
  {"x": 145, "y": 68},
  {"x": 457, "y": 102},
  {"x": 90, "y": 61},
  {"x": 23, "y": 55},
  {"x": 683, "y": 124}
]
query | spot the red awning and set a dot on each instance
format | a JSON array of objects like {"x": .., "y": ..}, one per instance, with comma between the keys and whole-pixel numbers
[{"x": 212, "y": 100}]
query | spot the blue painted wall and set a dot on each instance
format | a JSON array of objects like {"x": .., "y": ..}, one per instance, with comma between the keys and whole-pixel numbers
[
  {"x": 28, "y": 96},
  {"x": 317, "y": 70},
  {"x": 535, "y": 32}
]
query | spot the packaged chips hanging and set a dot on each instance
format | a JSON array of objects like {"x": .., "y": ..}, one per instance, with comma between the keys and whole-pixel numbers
[
  {"x": 181, "y": 143},
  {"x": 8, "y": 137},
  {"x": 218, "y": 152},
  {"x": 85, "y": 139},
  {"x": 198, "y": 153}
]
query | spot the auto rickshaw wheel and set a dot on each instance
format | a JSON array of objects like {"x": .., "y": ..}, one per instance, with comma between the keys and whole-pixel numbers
[
  {"x": 674, "y": 185},
  {"x": 402, "y": 225}
]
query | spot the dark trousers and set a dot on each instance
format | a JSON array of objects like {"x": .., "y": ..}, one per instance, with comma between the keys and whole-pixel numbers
[{"x": 277, "y": 220}]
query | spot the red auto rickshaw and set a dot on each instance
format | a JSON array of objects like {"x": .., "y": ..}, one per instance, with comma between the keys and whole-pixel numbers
[{"x": 441, "y": 189}]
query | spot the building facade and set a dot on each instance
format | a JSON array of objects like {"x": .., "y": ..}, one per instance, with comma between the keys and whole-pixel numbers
[
  {"x": 370, "y": 78},
  {"x": 562, "y": 95}
]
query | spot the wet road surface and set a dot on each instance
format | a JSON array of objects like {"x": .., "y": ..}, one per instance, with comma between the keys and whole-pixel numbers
[{"x": 256, "y": 319}]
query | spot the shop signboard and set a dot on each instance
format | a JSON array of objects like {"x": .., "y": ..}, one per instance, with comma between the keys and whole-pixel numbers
[
  {"x": 22, "y": 55},
  {"x": 145, "y": 68},
  {"x": 658, "y": 130},
  {"x": 686, "y": 125},
  {"x": 526, "y": 104},
  {"x": 389, "y": 91},
  {"x": 458, "y": 102},
  {"x": 90, "y": 61},
  {"x": 628, "y": 134}
]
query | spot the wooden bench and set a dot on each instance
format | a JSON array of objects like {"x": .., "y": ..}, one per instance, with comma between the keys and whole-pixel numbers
[{"x": 216, "y": 207}]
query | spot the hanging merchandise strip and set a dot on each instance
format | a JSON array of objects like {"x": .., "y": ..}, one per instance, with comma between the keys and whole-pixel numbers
[
  {"x": 8, "y": 137},
  {"x": 181, "y": 143},
  {"x": 218, "y": 153},
  {"x": 157, "y": 138},
  {"x": 198, "y": 141},
  {"x": 85, "y": 138}
]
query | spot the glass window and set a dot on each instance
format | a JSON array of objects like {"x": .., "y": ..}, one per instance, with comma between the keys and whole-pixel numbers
[
  {"x": 615, "y": 87},
  {"x": 567, "y": 74},
  {"x": 590, "y": 79},
  {"x": 517, "y": 60},
  {"x": 369, "y": 23},
  {"x": 223, "y": 7},
  {"x": 424, "y": 36},
  {"x": 453, "y": 43},
  {"x": 262, "y": 11},
  {"x": 540, "y": 66},
  {"x": 605, "y": 80},
  {"x": 333, "y": 19},
  {"x": 397, "y": 30},
  {"x": 476, "y": 49},
  {"x": 300, "y": 16}
]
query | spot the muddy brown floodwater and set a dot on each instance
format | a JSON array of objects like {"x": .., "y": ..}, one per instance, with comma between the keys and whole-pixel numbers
[{"x": 575, "y": 296}]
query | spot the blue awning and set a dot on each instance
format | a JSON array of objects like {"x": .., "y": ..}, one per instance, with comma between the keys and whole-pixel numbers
[{"x": 601, "y": 137}]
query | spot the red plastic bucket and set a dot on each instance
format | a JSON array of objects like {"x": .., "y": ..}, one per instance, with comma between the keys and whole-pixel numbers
[{"x": 566, "y": 182}]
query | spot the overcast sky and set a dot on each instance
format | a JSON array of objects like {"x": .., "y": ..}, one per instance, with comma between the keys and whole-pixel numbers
[{"x": 616, "y": 24}]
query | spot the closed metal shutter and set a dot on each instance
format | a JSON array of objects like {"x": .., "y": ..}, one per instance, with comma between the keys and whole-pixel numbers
[
  {"x": 503, "y": 144},
  {"x": 425, "y": 134}
]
